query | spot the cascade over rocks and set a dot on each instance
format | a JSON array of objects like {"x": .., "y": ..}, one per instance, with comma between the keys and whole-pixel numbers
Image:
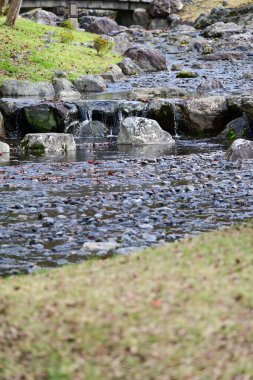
[
  {"x": 240, "y": 150},
  {"x": 4, "y": 148},
  {"x": 15, "y": 88},
  {"x": 49, "y": 142},
  {"x": 141, "y": 131},
  {"x": 146, "y": 59}
]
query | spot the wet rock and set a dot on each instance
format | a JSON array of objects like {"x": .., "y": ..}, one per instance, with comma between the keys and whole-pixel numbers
[
  {"x": 224, "y": 56},
  {"x": 173, "y": 19},
  {"x": 90, "y": 129},
  {"x": 166, "y": 113},
  {"x": 85, "y": 21},
  {"x": 146, "y": 59},
  {"x": 15, "y": 88},
  {"x": 220, "y": 29},
  {"x": 42, "y": 17},
  {"x": 139, "y": 131},
  {"x": 52, "y": 142},
  {"x": 128, "y": 67},
  {"x": 240, "y": 150},
  {"x": 122, "y": 41},
  {"x": 90, "y": 83},
  {"x": 4, "y": 148},
  {"x": 140, "y": 17},
  {"x": 162, "y": 8},
  {"x": 206, "y": 86},
  {"x": 242, "y": 103},
  {"x": 3, "y": 133},
  {"x": 102, "y": 248},
  {"x": 103, "y": 25},
  {"x": 201, "y": 45},
  {"x": 187, "y": 74},
  {"x": 146, "y": 94},
  {"x": 208, "y": 115},
  {"x": 237, "y": 129},
  {"x": 65, "y": 90}
]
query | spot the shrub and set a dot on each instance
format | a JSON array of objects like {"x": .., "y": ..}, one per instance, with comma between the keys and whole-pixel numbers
[
  {"x": 102, "y": 45},
  {"x": 66, "y": 37},
  {"x": 67, "y": 24}
]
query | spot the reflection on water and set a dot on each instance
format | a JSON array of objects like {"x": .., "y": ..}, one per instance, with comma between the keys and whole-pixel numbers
[{"x": 102, "y": 151}]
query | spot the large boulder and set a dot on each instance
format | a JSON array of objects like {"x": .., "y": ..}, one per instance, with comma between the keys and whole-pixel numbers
[
  {"x": 205, "y": 115},
  {"x": 90, "y": 129},
  {"x": 122, "y": 41},
  {"x": 237, "y": 129},
  {"x": 140, "y": 17},
  {"x": 48, "y": 142},
  {"x": 90, "y": 83},
  {"x": 42, "y": 17},
  {"x": 47, "y": 117},
  {"x": 141, "y": 131},
  {"x": 240, "y": 150},
  {"x": 162, "y": 8},
  {"x": 20, "y": 88},
  {"x": 128, "y": 67},
  {"x": 103, "y": 25},
  {"x": 147, "y": 59},
  {"x": 242, "y": 104},
  {"x": 4, "y": 148},
  {"x": 65, "y": 90},
  {"x": 219, "y": 29}
]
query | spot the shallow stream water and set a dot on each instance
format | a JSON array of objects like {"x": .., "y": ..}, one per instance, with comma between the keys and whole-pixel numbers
[{"x": 62, "y": 209}]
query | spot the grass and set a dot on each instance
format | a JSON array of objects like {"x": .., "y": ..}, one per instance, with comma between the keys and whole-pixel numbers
[
  {"x": 26, "y": 55},
  {"x": 196, "y": 7},
  {"x": 179, "y": 312}
]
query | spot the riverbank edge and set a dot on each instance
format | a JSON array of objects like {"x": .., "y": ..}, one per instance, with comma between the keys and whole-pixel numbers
[{"x": 185, "y": 307}]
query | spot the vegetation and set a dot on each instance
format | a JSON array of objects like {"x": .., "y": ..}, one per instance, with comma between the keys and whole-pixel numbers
[
  {"x": 32, "y": 51},
  {"x": 183, "y": 311},
  {"x": 195, "y": 8},
  {"x": 68, "y": 24},
  {"x": 186, "y": 74},
  {"x": 102, "y": 45}
]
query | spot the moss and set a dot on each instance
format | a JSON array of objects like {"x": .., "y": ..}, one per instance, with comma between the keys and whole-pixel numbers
[{"x": 186, "y": 74}]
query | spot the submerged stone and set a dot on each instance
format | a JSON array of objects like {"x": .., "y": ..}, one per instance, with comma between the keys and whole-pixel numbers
[{"x": 52, "y": 142}]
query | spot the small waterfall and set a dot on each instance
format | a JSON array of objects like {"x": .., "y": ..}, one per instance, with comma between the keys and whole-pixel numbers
[
  {"x": 175, "y": 120},
  {"x": 85, "y": 113}
]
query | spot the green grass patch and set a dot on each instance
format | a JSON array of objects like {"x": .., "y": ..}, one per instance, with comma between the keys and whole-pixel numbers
[
  {"x": 26, "y": 54},
  {"x": 182, "y": 311}
]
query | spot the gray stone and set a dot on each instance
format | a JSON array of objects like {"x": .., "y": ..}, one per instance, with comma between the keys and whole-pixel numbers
[
  {"x": 103, "y": 25},
  {"x": 16, "y": 88},
  {"x": 90, "y": 83},
  {"x": 141, "y": 131},
  {"x": 219, "y": 29},
  {"x": 2, "y": 129},
  {"x": 162, "y": 8},
  {"x": 122, "y": 41},
  {"x": 65, "y": 90},
  {"x": 140, "y": 17},
  {"x": 206, "y": 86},
  {"x": 91, "y": 129},
  {"x": 240, "y": 150},
  {"x": 128, "y": 67},
  {"x": 159, "y": 23},
  {"x": 205, "y": 114},
  {"x": 101, "y": 248},
  {"x": 146, "y": 59},
  {"x": 4, "y": 148},
  {"x": 52, "y": 142},
  {"x": 42, "y": 17},
  {"x": 236, "y": 129}
]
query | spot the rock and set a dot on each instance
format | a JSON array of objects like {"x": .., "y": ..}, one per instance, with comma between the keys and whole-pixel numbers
[
  {"x": 162, "y": 8},
  {"x": 202, "y": 22},
  {"x": 122, "y": 41},
  {"x": 47, "y": 117},
  {"x": 113, "y": 75},
  {"x": 146, "y": 59},
  {"x": 173, "y": 19},
  {"x": 128, "y": 67},
  {"x": 205, "y": 115},
  {"x": 187, "y": 74},
  {"x": 159, "y": 23},
  {"x": 206, "y": 86},
  {"x": 224, "y": 56},
  {"x": 166, "y": 113},
  {"x": 220, "y": 29},
  {"x": 65, "y": 90},
  {"x": 3, "y": 134},
  {"x": 236, "y": 129},
  {"x": 140, "y": 131},
  {"x": 242, "y": 104},
  {"x": 15, "y": 88},
  {"x": 102, "y": 248},
  {"x": 85, "y": 21},
  {"x": 201, "y": 45},
  {"x": 156, "y": 92},
  {"x": 90, "y": 129},
  {"x": 48, "y": 142},
  {"x": 42, "y": 17},
  {"x": 103, "y": 25},
  {"x": 90, "y": 83},
  {"x": 140, "y": 17},
  {"x": 240, "y": 150},
  {"x": 4, "y": 148}
]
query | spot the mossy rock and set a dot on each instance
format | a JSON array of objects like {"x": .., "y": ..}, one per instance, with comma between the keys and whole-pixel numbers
[
  {"x": 41, "y": 118},
  {"x": 187, "y": 74}
]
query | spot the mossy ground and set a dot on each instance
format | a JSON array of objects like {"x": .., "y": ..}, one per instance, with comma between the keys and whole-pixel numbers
[
  {"x": 25, "y": 53},
  {"x": 183, "y": 311},
  {"x": 196, "y": 7}
]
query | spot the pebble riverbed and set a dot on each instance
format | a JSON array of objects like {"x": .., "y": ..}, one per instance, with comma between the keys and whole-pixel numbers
[{"x": 55, "y": 213}]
